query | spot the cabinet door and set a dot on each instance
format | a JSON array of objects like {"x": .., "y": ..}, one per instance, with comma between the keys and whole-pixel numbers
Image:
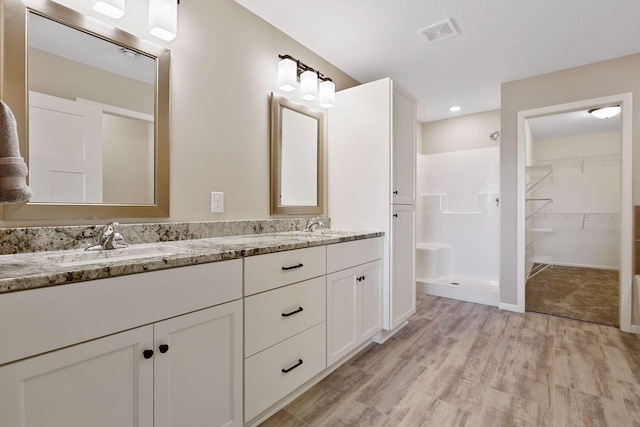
[
  {"x": 343, "y": 321},
  {"x": 403, "y": 162},
  {"x": 371, "y": 304},
  {"x": 403, "y": 274},
  {"x": 106, "y": 382},
  {"x": 198, "y": 379}
]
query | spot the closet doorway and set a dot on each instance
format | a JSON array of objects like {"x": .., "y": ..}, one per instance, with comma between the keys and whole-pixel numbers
[
  {"x": 575, "y": 212},
  {"x": 572, "y": 225}
]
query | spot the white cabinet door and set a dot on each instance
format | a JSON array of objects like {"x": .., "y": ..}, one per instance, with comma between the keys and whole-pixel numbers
[
  {"x": 403, "y": 162},
  {"x": 198, "y": 377},
  {"x": 342, "y": 314},
  {"x": 354, "y": 308},
  {"x": 403, "y": 275},
  {"x": 101, "y": 383},
  {"x": 371, "y": 304}
]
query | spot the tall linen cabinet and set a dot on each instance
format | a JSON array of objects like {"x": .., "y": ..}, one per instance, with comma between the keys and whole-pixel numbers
[{"x": 371, "y": 182}]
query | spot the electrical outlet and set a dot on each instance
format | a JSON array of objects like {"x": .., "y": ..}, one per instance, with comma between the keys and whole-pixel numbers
[{"x": 217, "y": 202}]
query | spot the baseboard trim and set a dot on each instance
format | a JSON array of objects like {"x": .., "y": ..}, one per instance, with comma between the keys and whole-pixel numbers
[
  {"x": 382, "y": 336},
  {"x": 461, "y": 293},
  {"x": 510, "y": 307}
]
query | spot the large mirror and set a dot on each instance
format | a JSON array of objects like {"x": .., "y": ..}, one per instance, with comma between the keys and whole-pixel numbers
[
  {"x": 297, "y": 138},
  {"x": 92, "y": 106}
]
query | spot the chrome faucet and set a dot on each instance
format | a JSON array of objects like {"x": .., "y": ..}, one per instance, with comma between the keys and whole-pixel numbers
[
  {"x": 313, "y": 223},
  {"x": 109, "y": 239}
]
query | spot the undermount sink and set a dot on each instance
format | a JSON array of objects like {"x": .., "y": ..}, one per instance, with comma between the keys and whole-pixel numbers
[{"x": 114, "y": 255}]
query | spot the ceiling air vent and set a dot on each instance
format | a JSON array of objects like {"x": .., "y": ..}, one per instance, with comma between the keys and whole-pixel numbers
[{"x": 440, "y": 31}]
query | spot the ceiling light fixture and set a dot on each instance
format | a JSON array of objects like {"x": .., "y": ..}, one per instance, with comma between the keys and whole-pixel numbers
[
  {"x": 455, "y": 108},
  {"x": 163, "y": 19},
  {"x": 605, "y": 112},
  {"x": 289, "y": 69},
  {"x": 111, "y": 8}
]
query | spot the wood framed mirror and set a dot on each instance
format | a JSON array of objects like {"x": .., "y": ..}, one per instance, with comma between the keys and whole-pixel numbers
[
  {"x": 92, "y": 109},
  {"x": 297, "y": 158}
]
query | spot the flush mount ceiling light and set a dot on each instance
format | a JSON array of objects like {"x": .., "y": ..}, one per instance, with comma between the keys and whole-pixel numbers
[
  {"x": 111, "y": 8},
  {"x": 605, "y": 112},
  {"x": 163, "y": 19},
  {"x": 289, "y": 69},
  {"x": 129, "y": 53},
  {"x": 455, "y": 108}
]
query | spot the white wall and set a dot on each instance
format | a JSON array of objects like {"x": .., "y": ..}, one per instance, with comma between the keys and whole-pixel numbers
[
  {"x": 456, "y": 206},
  {"x": 223, "y": 68},
  {"x": 580, "y": 240}
]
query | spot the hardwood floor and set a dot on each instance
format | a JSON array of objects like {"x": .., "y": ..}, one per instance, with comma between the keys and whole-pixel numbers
[{"x": 465, "y": 364}]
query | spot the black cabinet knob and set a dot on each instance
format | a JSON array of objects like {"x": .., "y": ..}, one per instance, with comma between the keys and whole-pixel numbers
[
  {"x": 147, "y": 354},
  {"x": 163, "y": 348},
  {"x": 395, "y": 192}
]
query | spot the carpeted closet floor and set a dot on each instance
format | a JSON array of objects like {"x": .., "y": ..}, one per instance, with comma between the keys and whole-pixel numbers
[{"x": 585, "y": 294}]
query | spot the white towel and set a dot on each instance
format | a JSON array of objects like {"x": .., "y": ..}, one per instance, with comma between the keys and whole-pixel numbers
[{"x": 13, "y": 169}]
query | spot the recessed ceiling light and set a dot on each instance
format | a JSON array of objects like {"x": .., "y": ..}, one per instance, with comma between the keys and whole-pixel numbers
[{"x": 455, "y": 108}]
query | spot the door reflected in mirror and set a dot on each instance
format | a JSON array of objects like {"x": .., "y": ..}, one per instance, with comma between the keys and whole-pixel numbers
[
  {"x": 91, "y": 118},
  {"x": 297, "y": 140}
]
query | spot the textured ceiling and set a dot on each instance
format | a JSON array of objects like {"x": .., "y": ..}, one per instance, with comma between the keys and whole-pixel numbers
[{"x": 499, "y": 41}]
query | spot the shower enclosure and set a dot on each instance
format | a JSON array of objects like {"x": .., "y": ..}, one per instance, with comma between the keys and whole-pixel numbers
[{"x": 458, "y": 225}]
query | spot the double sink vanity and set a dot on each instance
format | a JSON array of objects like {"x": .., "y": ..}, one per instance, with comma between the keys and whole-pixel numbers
[{"x": 212, "y": 331}]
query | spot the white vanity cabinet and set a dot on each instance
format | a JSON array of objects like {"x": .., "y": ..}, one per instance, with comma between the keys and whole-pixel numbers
[
  {"x": 285, "y": 330},
  {"x": 131, "y": 355},
  {"x": 354, "y": 295}
]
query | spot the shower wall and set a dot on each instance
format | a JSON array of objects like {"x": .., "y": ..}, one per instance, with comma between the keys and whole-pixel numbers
[{"x": 457, "y": 207}]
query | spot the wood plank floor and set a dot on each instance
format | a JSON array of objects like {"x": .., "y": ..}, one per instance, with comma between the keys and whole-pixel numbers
[{"x": 465, "y": 364}]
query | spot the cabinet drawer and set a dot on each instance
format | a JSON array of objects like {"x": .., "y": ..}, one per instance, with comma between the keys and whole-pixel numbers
[
  {"x": 265, "y": 272},
  {"x": 264, "y": 380},
  {"x": 349, "y": 254},
  {"x": 274, "y": 316}
]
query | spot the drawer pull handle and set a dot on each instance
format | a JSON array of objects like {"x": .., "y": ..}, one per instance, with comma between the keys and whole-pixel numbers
[
  {"x": 292, "y": 313},
  {"x": 292, "y": 267},
  {"x": 147, "y": 354},
  {"x": 163, "y": 348},
  {"x": 285, "y": 371}
]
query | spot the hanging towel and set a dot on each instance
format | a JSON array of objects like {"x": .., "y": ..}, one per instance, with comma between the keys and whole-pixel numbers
[{"x": 13, "y": 169}]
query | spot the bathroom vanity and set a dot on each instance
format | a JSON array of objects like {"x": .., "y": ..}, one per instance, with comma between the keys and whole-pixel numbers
[{"x": 226, "y": 332}]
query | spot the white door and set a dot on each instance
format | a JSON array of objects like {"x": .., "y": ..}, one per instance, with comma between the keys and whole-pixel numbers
[
  {"x": 198, "y": 375},
  {"x": 404, "y": 149},
  {"x": 371, "y": 304},
  {"x": 343, "y": 314},
  {"x": 403, "y": 273},
  {"x": 65, "y": 150},
  {"x": 102, "y": 383}
]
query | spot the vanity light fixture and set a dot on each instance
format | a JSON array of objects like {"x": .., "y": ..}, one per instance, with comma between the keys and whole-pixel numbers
[
  {"x": 111, "y": 8},
  {"x": 605, "y": 112},
  {"x": 163, "y": 19},
  {"x": 290, "y": 68}
]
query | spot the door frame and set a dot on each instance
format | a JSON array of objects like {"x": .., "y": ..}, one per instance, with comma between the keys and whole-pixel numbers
[{"x": 626, "y": 196}]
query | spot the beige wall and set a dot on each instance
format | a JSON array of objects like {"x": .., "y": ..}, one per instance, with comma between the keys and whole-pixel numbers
[
  {"x": 601, "y": 79},
  {"x": 470, "y": 132},
  {"x": 224, "y": 64}
]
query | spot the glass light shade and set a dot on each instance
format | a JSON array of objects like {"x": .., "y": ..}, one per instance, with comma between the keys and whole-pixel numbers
[
  {"x": 287, "y": 75},
  {"x": 163, "y": 19},
  {"x": 111, "y": 8},
  {"x": 327, "y": 96},
  {"x": 605, "y": 112},
  {"x": 308, "y": 85}
]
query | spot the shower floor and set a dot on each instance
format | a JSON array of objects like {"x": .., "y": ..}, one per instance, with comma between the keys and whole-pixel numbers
[
  {"x": 588, "y": 294},
  {"x": 462, "y": 288}
]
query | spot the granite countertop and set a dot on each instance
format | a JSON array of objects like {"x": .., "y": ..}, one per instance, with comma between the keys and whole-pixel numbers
[{"x": 41, "y": 269}]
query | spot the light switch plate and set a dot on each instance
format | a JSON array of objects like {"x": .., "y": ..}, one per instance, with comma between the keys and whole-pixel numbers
[{"x": 217, "y": 202}]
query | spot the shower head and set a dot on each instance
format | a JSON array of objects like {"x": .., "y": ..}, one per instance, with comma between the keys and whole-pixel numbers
[{"x": 494, "y": 135}]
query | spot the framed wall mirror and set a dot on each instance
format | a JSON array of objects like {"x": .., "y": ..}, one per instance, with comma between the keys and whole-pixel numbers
[
  {"x": 297, "y": 151},
  {"x": 92, "y": 108}
]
